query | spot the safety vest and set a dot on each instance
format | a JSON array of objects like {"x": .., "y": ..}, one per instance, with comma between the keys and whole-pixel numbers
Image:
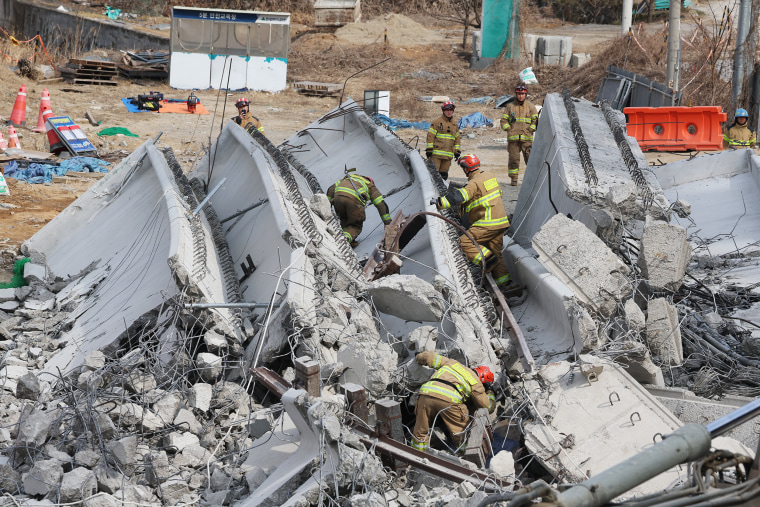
[
  {"x": 482, "y": 201},
  {"x": 458, "y": 391},
  {"x": 520, "y": 120}
]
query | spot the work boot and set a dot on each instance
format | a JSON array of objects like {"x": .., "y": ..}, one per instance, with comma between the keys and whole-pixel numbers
[
  {"x": 354, "y": 244},
  {"x": 514, "y": 180}
]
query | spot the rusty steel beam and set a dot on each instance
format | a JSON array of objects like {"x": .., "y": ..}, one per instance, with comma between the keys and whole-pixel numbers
[
  {"x": 430, "y": 463},
  {"x": 271, "y": 380},
  {"x": 526, "y": 358}
]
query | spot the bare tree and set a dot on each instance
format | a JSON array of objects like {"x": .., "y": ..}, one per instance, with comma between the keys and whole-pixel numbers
[{"x": 463, "y": 12}]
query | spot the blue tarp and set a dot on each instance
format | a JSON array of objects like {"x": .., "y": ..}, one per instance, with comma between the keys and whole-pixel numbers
[
  {"x": 479, "y": 100},
  {"x": 43, "y": 173},
  {"x": 131, "y": 107},
  {"x": 394, "y": 123},
  {"x": 475, "y": 120}
]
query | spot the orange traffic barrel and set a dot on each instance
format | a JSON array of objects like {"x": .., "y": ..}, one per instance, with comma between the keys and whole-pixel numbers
[{"x": 676, "y": 128}]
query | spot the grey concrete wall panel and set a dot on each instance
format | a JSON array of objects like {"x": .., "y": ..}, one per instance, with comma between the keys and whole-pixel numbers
[
  {"x": 555, "y": 181},
  {"x": 59, "y": 29},
  {"x": 623, "y": 88},
  {"x": 546, "y": 315},
  {"x": 723, "y": 190},
  {"x": 347, "y": 137},
  {"x": 148, "y": 244}
]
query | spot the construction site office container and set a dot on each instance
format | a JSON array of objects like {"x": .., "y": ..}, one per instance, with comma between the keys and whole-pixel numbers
[{"x": 229, "y": 49}]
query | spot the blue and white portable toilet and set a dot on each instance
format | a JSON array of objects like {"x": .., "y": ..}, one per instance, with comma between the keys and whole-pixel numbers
[{"x": 233, "y": 50}]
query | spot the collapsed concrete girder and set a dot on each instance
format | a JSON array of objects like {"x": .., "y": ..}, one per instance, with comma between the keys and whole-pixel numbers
[{"x": 135, "y": 238}]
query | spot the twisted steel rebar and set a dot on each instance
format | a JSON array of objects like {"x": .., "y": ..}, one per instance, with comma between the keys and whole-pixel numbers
[{"x": 580, "y": 141}]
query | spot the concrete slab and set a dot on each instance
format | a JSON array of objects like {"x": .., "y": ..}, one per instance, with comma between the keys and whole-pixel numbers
[
  {"x": 151, "y": 248},
  {"x": 555, "y": 181}
]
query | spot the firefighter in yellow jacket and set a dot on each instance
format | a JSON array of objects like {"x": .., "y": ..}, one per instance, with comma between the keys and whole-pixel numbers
[
  {"x": 739, "y": 135},
  {"x": 244, "y": 117},
  {"x": 349, "y": 197},
  {"x": 443, "y": 140},
  {"x": 520, "y": 120},
  {"x": 481, "y": 200},
  {"x": 446, "y": 395}
]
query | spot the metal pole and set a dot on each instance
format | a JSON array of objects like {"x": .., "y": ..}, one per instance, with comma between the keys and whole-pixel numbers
[
  {"x": 674, "y": 42},
  {"x": 190, "y": 306},
  {"x": 734, "y": 419},
  {"x": 742, "y": 30},
  {"x": 627, "y": 15}
]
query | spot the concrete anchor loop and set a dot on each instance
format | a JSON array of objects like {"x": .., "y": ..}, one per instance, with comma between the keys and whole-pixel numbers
[
  {"x": 638, "y": 418},
  {"x": 592, "y": 377},
  {"x": 654, "y": 437},
  {"x": 616, "y": 395}
]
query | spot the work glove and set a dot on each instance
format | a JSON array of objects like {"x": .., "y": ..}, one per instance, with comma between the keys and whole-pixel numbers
[
  {"x": 429, "y": 152},
  {"x": 457, "y": 154}
]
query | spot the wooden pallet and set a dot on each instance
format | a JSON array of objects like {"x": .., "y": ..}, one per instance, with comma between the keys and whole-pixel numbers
[
  {"x": 313, "y": 88},
  {"x": 99, "y": 82},
  {"x": 94, "y": 72}
]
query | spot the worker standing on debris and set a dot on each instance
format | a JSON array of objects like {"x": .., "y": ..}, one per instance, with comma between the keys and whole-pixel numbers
[
  {"x": 244, "y": 117},
  {"x": 481, "y": 200},
  {"x": 520, "y": 120},
  {"x": 349, "y": 197},
  {"x": 446, "y": 395},
  {"x": 739, "y": 135},
  {"x": 443, "y": 140}
]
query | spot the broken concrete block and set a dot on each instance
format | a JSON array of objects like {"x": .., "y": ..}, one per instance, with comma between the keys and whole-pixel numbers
[
  {"x": 9, "y": 306},
  {"x": 370, "y": 499},
  {"x": 10, "y": 480},
  {"x": 123, "y": 450},
  {"x": 215, "y": 343},
  {"x": 109, "y": 480},
  {"x": 578, "y": 59},
  {"x": 95, "y": 360},
  {"x": 371, "y": 364},
  {"x": 135, "y": 494},
  {"x": 139, "y": 382},
  {"x": 571, "y": 252},
  {"x": 209, "y": 366},
  {"x": 36, "y": 304},
  {"x": 682, "y": 208},
  {"x": 503, "y": 464},
  {"x": 713, "y": 320},
  {"x": 260, "y": 424},
  {"x": 173, "y": 491},
  {"x": 43, "y": 478},
  {"x": 634, "y": 317},
  {"x": 622, "y": 198},
  {"x": 77, "y": 485},
  {"x": 407, "y": 297},
  {"x": 639, "y": 364},
  {"x": 176, "y": 441},
  {"x": 663, "y": 332},
  {"x": 320, "y": 205},
  {"x": 186, "y": 421},
  {"x": 28, "y": 387},
  {"x": 664, "y": 254},
  {"x": 584, "y": 327},
  {"x": 127, "y": 415},
  {"x": 7, "y": 295},
  {"x": 751, "y": 346},
  {"x": 199, "y": 396},
  {"x": 150, "y": 422},
  {"x": 34, "y": 273},
  {"x": 591, "y": 366},
  {"x": 33, "y": 430},
  {"x": 192, "y": 456},
  {"x": 255, "y": 478},
  {"x": 422, "y": 338},
  {"x": 87, "y": 458}
]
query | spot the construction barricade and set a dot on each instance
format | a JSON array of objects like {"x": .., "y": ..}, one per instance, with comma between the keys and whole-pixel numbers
[{"x": 676, "y": 128}]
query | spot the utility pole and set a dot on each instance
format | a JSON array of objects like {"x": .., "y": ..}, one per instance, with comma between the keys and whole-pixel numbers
[
  {"x": 627, "y": 15},
  {"x": 674, "y": 45},
  {"x": 742, "y": 30}
]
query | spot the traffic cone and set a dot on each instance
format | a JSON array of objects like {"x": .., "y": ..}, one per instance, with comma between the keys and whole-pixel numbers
[
  {"x": 18, "y": 116},
  {"x": 44, "y": 104},
  {"x": 13, "y": 138},
  {"x": 3, "y": 144},
  {"x": 56, "y": 146}
]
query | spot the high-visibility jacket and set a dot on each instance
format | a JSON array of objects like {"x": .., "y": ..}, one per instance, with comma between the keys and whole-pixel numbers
[
  {"x": 454, "y": 382},
  {"x": 738, "y": 136},
  {"x": 362, "y": 190},
  {"x": 520, "y": 121},
  {"x": 443, "y": 138},
  {"x": 481, "y": 199},
  {"x": 251, "y": 120}
]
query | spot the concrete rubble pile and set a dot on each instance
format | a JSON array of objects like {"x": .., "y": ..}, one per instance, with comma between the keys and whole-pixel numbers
[{"x": 127, "y": 370}]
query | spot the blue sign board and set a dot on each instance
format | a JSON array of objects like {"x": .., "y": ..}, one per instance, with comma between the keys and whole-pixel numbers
[{"x": 71, "y": 135}]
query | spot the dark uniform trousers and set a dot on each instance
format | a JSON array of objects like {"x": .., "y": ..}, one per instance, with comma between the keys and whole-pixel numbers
[{"x": 351, "y": 214}]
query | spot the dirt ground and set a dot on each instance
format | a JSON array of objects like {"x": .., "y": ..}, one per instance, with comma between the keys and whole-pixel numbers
[{"x": 315, "y": 56}]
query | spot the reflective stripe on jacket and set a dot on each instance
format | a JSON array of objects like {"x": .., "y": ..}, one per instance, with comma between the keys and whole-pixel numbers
[
  {"x": 451, "y": 373},
  {"x": 482, "y": 202},
  {"x": 520, "y": 120},
  {"x": 739, "y": 136},
  {"x": 443, "y": 137},
  {"x": 362, "y": 190}
]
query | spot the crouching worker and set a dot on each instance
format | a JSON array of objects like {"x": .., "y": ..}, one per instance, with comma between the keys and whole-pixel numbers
[
  {"x": 349, "y": 197},
  {"x": 446, "y": 395},
  {"x": 481, "y": 200}
]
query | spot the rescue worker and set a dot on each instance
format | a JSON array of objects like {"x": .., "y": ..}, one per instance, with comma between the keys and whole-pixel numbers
[
  {"x": 446, "y": 395},
  {"x": 739, "y": 135},
  {"x": 244, "y": 117},
  {"x": 349, "y": 197},
  {"x": 481, "y": 200},
  {"x": 520, "y": 120},
  {"x": 443, "y": 140}
]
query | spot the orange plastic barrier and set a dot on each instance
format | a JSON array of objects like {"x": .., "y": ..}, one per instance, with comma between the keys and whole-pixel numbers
[{"x": 676, "y": 128}]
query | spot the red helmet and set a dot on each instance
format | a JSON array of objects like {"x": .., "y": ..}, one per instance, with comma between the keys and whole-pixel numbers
[
  {"x": 448, "y": 105},
  {"x": 521, "y": 88},
  {"x": 242, "y": 102},
  {"x": 484, "y": 374},
  {"x": 469, "y": 163}
]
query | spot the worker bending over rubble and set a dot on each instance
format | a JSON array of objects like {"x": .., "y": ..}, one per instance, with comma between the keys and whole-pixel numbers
[
  {"x": 349, "y": 197},
  {"x": 443, "y": 140},
  {"x": 244, "y": 117},
  {"x": 739, "y": 135},
  {"x": 447, "y": 394},
  {"x": 481, "y": 200},
  {"x": 520, "y": 120}
]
